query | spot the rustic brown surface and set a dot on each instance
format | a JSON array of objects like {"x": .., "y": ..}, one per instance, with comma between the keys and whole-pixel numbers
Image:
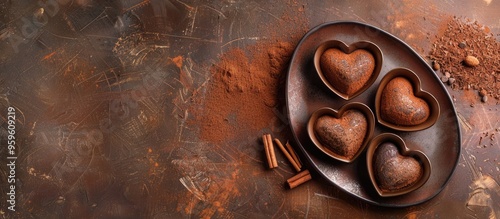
[{"x": 121, "y": 111}]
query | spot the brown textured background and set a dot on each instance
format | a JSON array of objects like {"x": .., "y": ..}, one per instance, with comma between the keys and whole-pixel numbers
[{"x": 153, "y": 109}]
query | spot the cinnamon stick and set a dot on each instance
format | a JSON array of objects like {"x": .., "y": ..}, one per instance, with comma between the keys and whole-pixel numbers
[
  {"x": 268, "y": 153},
  {"x": 299, "y": 179},
  {"x": 287, "y": 155},
  {"x": 271, "y": 151},
  {"x": 294, "y": 155}
]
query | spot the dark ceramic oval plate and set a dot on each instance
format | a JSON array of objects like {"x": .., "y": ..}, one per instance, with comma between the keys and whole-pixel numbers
[{"x": 306, "y": 93}]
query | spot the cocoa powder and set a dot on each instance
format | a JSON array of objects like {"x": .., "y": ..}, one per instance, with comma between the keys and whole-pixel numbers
[
  {"x": 242, "y": 99},
  {"x": 245, "y": 94},
  {"x": 243, "y": 91},
  {"x": 460, "y": 39}
]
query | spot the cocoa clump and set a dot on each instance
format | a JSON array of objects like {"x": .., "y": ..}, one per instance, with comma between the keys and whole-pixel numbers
[
  {"x": 484, "y": 99},
  {"x": 483, "y": 93},
  {"x": 451, "y": 81},
  {"x": 436, "y": 66}
]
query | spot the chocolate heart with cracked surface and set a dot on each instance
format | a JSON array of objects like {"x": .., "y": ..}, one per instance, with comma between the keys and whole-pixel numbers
[
  {"x": 399, "y": 105},
  {"x": 344, "y": 136},
  {"x": 394, "y": 171},
  {"x": 348, "y": 73}
]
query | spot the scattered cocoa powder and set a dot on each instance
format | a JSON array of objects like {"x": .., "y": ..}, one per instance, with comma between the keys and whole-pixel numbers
[
  {"x": 244, "y": 90},
  {"x": 242, "y": 98},
  {"x": 460, "y": 39},
  {"x": 245, "y": 94}
]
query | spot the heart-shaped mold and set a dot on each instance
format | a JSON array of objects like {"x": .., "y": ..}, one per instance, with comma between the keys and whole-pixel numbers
[
  {"x": 401, "y": 104},
  {"x": 393, "y": 168},
  {"x": 342, "y": 134},
  {"x": 348, "y": 70}
]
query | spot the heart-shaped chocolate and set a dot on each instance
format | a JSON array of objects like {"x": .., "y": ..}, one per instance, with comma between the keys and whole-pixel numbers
[
  {"x": 394, "y": 171},
  {"x": 348, "y": 70},
  {"x": 400, "y": 103},
  {"x": 344, "y": 136},
  {"x": 393, "y": 168},
  {"x": 400, "y": 106},
  {"x": 348, "y": 73}
]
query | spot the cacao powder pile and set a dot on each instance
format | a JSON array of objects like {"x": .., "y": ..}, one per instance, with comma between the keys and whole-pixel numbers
[
  {"x": 462, "y": 38},
  {"x": 243, "y": 91}
]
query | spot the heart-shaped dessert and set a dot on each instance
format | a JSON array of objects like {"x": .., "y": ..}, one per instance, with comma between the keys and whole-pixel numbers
[
  {"x": 401, "y": 104},
  {"x": 344, "y": 134},
  {"x": 393, "y": 168},
  {"x": 348, "y": 73},
  {"x": 394, "y": 171},
  {"x": 348, "y": 70}
]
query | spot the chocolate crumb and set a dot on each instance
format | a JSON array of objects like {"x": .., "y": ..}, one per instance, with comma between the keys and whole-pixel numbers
[
  {"x": 436, "y": 66},
  {"x": 482, "y": 93},
  {"x": 484, "y": 99},
  {"x": 462, "y": 45},
  {"x": 444, "y": 79},
  {"x": 451, "y": 81}
]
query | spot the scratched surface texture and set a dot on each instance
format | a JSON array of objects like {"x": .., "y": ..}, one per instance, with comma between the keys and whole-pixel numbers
[{"x": 102, "y": 91}]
